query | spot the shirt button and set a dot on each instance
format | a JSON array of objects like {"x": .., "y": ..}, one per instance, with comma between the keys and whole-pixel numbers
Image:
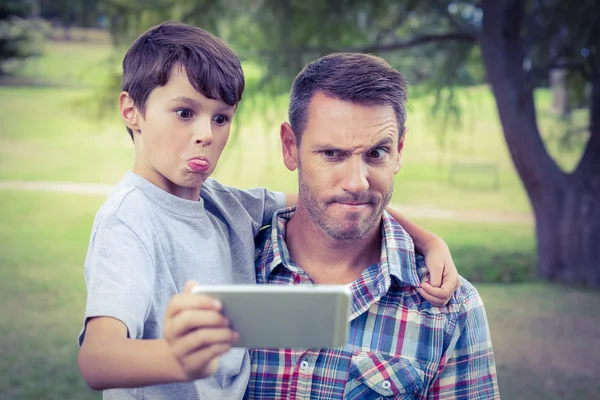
[
  {"x": 304, "y": 365},
  {"x": 386, "y": 385}
]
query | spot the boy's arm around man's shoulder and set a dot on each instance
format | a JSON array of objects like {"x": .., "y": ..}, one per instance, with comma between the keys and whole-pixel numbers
[
  {"x": 468, "y": 369},
  {"x": 259, "y": 203}
]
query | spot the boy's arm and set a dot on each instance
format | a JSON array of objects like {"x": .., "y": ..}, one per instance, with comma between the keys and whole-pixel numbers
[
  {"x": 443, "y": 276},
  {"x": 291, "y": 199},
  {"x": 195, "y": 334}
]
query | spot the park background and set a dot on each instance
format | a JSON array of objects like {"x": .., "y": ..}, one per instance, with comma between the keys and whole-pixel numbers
[{"x": 62, "y": 147}]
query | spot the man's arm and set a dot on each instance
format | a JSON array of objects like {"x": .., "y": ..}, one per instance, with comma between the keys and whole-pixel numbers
[
  {"x": 195, "y": 334},
  {"x": 468, "y": 371}
]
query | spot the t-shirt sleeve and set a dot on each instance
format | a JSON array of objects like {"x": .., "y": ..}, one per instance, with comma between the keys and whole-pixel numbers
[
  {"x": 119, "y": 275},
  {"x": 260, "y": 203}
]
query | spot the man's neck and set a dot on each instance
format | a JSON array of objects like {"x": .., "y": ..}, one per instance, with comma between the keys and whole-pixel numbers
[{"x": 325, "y": 259}]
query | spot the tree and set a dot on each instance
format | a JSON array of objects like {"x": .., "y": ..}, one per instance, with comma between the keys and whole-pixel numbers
[
  {"x": 517, "y": 44},
  {"x": 566, "y": 206},
  {"x": 15, "y": 36},
  {"x": 520, "y": 42}
]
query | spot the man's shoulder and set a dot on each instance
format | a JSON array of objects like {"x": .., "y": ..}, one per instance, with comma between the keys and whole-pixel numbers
[
  {"x": 261, "y": 239},
  {"x": 467, "y": 296}
]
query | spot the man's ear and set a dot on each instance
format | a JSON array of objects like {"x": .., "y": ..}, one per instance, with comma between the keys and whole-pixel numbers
[
  {"x": 289, "y": 146},
  {"x": 400, "y": 147},
  {"x": 129, "y": 112}
]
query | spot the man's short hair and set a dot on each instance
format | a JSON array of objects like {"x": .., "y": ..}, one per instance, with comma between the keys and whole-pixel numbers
[
  {"x": 212, "y": 67},
  {"x": 354, "y": 77}
]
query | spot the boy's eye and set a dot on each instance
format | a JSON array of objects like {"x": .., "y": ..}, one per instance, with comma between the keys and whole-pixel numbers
[
  {"x": 220, "y": 119},
  {"x": 184, "y": 113}
]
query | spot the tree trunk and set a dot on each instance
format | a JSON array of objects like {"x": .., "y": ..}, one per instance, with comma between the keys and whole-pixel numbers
[{"x": 566, "y": 207}]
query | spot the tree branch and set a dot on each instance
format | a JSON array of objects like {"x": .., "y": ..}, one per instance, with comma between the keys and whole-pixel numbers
[
  {"x": 415, "y": 41},
  {"x": 379, "y": 47},
  {"x": 590, "y": 160}
]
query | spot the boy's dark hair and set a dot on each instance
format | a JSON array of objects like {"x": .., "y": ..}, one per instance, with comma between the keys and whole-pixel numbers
[
  {"x": 211, "y": 66},
  {"x": 353, "y": 77}
]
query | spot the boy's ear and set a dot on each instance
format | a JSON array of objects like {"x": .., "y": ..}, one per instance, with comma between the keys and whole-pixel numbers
[
  {"x": 289, "y": 147},
  {"x": 129, "y": 113},
  {"x": 400, "y": 147}
]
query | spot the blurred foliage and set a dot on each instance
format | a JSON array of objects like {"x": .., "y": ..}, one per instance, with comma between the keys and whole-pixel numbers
[
  {"x": 19, "y": 36},
  {"x": 434, "y": 43}
]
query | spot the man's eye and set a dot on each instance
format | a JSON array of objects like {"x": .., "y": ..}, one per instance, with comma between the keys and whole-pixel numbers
[
  {"x": 377, "y": 153},
  {"x": 220, "y": 119},
  {"x": 330, "y": 153},
  {"x": 184, "y": 113}
]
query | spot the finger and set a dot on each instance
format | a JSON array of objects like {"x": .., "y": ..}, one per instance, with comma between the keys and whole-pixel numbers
[
  {"x": 187, "y": 301},
  {"x": 189, "y": 320},
  {"x": 435, "y": 267},
  {"x": 439, "y": 293},
  {"x": 435, "y": 277},
  {"x": 205, "y": 362},
  {"x": 451, "y": 283},
  {"x": 451, "y": 278},
  {"x": 189, "y": 285},
  {"x": 200, "y": 338},
  {"x": 433, "y": 300}
]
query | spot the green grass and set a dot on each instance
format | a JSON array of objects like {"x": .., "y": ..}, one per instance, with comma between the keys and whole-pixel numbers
[
  {"x": 67, "y": 64},
  {"x": 489, "y": 252},
  {"x": 42, "y": 247},
  {"x": 544, "y": 335},
  {"x": 545, "y": 340}
]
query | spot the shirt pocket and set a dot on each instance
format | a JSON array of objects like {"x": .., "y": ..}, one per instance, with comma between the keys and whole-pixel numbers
[{"x": 380, "y": 376}]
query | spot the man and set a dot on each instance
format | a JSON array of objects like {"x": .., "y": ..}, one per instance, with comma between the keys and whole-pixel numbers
[{"x": 346, "y": 135}]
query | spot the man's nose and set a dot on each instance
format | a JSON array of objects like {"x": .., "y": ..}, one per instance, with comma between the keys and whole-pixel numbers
[
  {"x": 355, "y": 176},
  {"x": 203, "y": 133}
]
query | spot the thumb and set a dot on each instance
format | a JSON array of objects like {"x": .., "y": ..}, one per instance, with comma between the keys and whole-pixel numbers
[
  {"x": 189, "y": 285},
  {"x": 435, "y": 267}
]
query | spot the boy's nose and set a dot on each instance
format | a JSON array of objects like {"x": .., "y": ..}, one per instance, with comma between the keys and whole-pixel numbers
[{"x": 203, "y": 133}]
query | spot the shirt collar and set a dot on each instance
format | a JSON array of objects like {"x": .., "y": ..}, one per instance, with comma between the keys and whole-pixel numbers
[{"x": 397, "y": 251}]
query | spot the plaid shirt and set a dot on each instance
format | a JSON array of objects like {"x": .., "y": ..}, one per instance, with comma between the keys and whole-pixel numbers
[{"x": 399, "y": 346}]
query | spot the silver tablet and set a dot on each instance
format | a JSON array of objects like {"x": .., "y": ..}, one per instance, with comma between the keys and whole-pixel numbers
[{"x": 282, "y": 316}]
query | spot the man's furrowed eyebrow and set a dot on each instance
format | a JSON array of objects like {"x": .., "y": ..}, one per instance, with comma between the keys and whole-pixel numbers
[{"x": 386, "y": 141}]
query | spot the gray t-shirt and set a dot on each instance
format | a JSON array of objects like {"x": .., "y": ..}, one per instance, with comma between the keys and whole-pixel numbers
[{"x": 146, "y": 243}]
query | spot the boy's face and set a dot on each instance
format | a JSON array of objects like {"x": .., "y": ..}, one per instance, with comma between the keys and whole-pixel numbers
[{"x": 181, "y": 136}]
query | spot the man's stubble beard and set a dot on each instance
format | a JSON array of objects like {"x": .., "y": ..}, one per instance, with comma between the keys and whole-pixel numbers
[{"x": 317, "y": 209}]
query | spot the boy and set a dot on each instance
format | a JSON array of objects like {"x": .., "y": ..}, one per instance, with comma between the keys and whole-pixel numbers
[{"x": 167, "y": 224}]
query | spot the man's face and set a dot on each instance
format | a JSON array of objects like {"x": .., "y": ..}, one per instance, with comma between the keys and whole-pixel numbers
[
  {"x": 347, "y": 158},
  {"x": 181, "y": 136}
]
